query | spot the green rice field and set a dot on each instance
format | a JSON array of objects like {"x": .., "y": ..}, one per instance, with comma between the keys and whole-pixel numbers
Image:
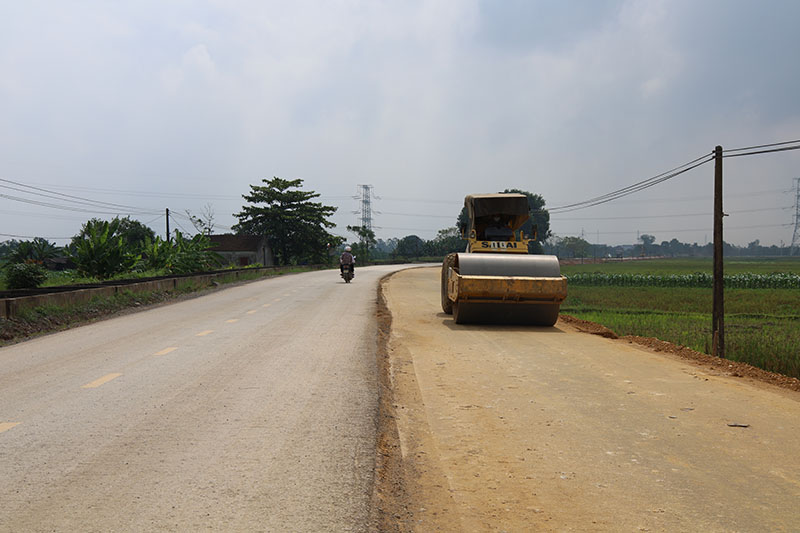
[{"x": 762, "y": 323}]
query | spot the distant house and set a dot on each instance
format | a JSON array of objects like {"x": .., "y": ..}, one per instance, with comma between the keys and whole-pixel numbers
[
  {"x": 59, "y": 263},
  {"x": 243, "y": 250}
]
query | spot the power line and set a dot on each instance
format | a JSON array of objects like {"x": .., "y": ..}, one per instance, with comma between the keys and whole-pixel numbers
[
  {"x": 150, "y": 222},
  {"x": 760, "y": 146},
  {"x": 678, "y": 215},
  {"x": 67, "y": 197},
  {"x": 38, "y": 215},
  {"x": 407, "y": 229},
  {"x": 39, "y": 236},
  {"x": 703, "y": 198},
  {"x": 417, "y": 215},
  {"x": 419, "y": 200},
  {"x": 147, "y": 194},
  {"x": 672, "y": 230},
  {"x": 71, "y": 208},
  {"x": 764, "y": 151},
  {"x": 636, "y": 187},
  {"x": 177, "y": 223},
  {"x": 664, "y": 176}
]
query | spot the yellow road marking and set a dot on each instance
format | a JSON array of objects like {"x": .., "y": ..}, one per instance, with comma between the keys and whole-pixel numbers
[
  {"x": 266, "y": 305},
  {"x": 204, "y": 333},
  {"x": 165, "y": 351},
  {"x": 105, "y": 379},
  {"x": 276, "y": 300},
  {"x": 232, "y": 320},
  {"x": 252, "y": 312},
  {"x": 5, "y": 426}
]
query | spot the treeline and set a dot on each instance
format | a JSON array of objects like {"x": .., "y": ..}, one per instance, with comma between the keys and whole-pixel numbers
[
  {"x": 412, "y": 247},
  {"x": 577, "y": 247},
  {"x": 104, "y": 249}
]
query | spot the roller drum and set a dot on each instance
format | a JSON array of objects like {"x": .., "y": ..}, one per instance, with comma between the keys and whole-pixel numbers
[
  {"x": 467, "y": 312},
  {"x": 530, "y": 266},
  {"x": 544, "y": 266}
]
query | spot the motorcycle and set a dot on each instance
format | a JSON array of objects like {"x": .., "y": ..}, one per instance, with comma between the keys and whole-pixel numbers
[{"x": 347, "y": 273}]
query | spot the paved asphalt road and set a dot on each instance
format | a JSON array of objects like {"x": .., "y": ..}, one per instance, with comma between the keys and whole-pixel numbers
[{"x": 249, "y": 409}]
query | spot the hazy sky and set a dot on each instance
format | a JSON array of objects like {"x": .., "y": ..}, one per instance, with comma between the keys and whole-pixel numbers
[{"x": 181, "y": 104}]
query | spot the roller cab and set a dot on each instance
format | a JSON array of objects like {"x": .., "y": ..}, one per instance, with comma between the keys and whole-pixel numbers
[{"x": 496, "y": 280}]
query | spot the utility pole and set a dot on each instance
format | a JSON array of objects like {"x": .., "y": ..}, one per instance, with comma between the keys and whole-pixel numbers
[
  {"x": 796, "y": 234},
  {"x": 167, "y": 224},
  {"x": 718, "y": 311}
]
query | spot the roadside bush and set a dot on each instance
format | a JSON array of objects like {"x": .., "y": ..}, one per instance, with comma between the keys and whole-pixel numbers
[
  {"x": 100, "y": 254},
  {"x": 156, "y": 254},
  {"x": 193, "y": 255},
  {"x": 24, "y": 275}
]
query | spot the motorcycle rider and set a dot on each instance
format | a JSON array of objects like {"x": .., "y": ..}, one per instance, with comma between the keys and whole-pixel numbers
[{"x": 347, "y": 260}]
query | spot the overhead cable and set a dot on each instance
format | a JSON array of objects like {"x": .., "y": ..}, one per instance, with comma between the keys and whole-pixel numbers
[
  {"x": 785, "y": 149},
  {"x": 72, "y": 208},
  {"x": 175, "y": 220},
  {"x": 636, "y": 187},
  {"x": 677, "y": 215},
  {"x": 67, "y": 197},
  {"x": 415, "y": 215},
  {"x": 760, "y": 146},
  {"x": 672, "y": 230},
  {"x": 38, "y": 236},
  {"x": 660, "y": 178}
]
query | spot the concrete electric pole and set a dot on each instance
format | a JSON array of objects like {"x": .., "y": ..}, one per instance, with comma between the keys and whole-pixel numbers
[{"x": 796, "y": 234}]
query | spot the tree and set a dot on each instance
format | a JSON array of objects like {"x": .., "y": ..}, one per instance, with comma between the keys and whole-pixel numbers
[
  {"x": 134, "y": 234},
  {"x": 384, "y": 249},
  {"x": 576, "y": 246},
  {"x": 36, "y": 251},
  {"x": 6, "y": 247},
  {"x": 539, "y": 216},
  {"x": 205, "y": 222},
  {"x": 409, "y": 247},
  {"x": 647, "y": 241},
  {"x": 447, "y": 240},
  {"x": 100, "y": 251},
  {"x": 366, "y": 240},
  {"x": 295, "y": 226}
]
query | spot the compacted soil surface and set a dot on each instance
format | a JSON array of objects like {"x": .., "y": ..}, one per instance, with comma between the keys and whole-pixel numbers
[{"x": 509, "y": 428}]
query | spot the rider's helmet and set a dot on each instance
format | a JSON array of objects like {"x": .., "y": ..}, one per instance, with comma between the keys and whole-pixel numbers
[{"x": 348, "y": 249}]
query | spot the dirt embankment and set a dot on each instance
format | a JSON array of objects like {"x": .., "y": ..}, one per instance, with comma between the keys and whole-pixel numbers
[{"x": 713, "y": 364}]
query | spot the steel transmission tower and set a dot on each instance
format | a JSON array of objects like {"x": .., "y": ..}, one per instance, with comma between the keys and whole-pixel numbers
[
  {"x": 365, "y": 193},
  {"x": 796, "y": 234}
]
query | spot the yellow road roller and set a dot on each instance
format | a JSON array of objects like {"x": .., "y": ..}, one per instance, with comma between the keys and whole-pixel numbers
[{"x": 496, "y": 281}]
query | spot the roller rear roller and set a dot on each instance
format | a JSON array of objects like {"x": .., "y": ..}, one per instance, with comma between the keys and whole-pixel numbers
[
  {"x": 497, "y": 289},
  {"x": 544, "y": 315}
]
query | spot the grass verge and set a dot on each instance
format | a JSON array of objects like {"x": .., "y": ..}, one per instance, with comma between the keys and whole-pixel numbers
[{"x": 762, "y": 326}]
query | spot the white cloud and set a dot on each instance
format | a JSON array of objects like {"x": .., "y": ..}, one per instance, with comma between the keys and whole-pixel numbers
[{"x": 422, "y": 99}]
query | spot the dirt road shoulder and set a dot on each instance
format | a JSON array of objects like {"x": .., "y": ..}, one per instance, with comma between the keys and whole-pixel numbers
[{"x": 508, "y": 428}]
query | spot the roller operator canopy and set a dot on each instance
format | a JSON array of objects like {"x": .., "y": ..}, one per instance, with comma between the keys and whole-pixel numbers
[{"x": 512, "y": 206}]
